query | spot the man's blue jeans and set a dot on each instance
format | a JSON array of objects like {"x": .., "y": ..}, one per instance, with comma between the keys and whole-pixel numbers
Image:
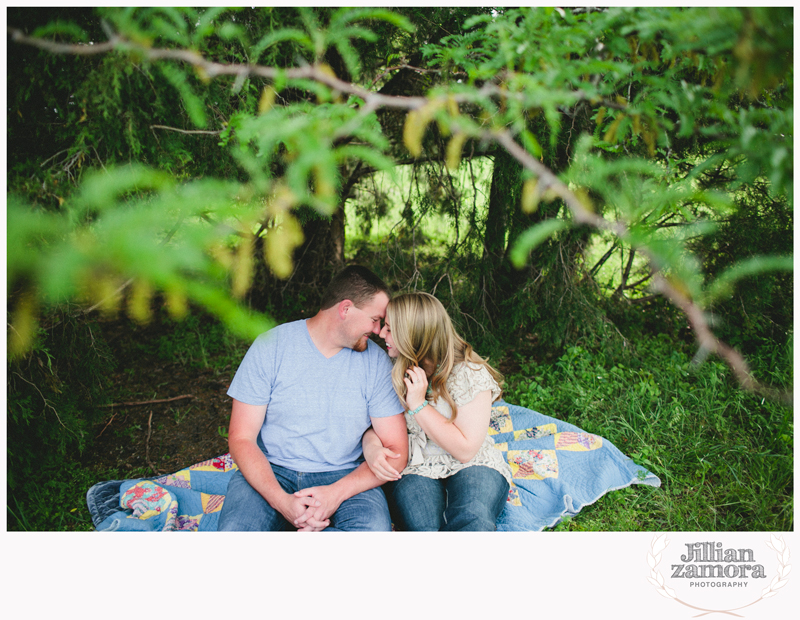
[
  {"x": 469, "y": 500},
  {"x": 244, "y": 510}
]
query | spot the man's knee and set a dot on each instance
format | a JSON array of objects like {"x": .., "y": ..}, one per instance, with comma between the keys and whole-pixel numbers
[
  {"x": 365, "y": 512},
  {"x": 244, "y": 510}
]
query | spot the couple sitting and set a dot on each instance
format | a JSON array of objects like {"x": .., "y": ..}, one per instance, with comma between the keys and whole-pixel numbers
[{"x": 311, "y": 395}]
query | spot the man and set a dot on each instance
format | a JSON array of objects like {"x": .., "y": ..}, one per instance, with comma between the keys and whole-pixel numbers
[{"x": 303, "y": 396}]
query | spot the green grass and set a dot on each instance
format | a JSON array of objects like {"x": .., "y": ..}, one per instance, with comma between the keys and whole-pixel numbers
[
  {"x": 56, "y": 500},
  {"x": 199, "y": 341},
  {"x": 724, "y": 456}
]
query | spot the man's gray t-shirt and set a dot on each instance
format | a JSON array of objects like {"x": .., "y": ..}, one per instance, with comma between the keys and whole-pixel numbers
[{"x": 317, "y": 408}]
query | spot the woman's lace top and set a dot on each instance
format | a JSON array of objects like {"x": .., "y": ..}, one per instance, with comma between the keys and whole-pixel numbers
[{"x": 426, "y": 458}]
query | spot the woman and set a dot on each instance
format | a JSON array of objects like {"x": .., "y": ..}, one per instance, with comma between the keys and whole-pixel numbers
[{"x": 456, "y": 479}]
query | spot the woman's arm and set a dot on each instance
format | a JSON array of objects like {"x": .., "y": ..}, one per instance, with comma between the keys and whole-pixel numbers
[
  {"x": 377, "y": 457},
  {"x": 462, "y": 438}
]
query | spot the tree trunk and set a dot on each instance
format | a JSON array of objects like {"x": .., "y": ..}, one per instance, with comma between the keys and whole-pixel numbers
[{"x": 504, "y": 195}]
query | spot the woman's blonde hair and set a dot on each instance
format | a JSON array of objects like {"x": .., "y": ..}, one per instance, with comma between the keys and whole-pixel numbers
[{"x": 423, "y": 332}]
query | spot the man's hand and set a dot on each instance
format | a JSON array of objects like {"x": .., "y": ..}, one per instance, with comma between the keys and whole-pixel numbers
[
  {"x": 391, "y": 431},
  {"x": 323, "y": 501},
  {"x": 300, "y": 511}
]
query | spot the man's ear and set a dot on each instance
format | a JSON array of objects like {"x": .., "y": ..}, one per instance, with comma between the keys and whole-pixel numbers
[{"x": 344, "y": 307}]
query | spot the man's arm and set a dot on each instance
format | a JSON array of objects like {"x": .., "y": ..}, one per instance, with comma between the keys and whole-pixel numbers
[
  {"x": 392, "y": 433},
  {"x": 246, "y": 422}
]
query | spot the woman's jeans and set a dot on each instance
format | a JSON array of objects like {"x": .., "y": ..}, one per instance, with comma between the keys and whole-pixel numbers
[
  {"x": 469, "y": 500},
  {"x": 245, "y": 510}
]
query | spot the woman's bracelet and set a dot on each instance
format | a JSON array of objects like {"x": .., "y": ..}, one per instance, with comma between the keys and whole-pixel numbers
[{"x": 418, "y": 409}]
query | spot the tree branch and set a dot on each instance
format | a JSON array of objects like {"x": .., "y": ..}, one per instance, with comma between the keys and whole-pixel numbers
[
  {"x": 603, "y": 259},
  {"x": 703, "y": 334},
  {"x": 638, "y": 282},
  {"x": 188, "y": 131},
  {"x": 149, "y": 402},
  {"x": 622, "y": 286},
  {"x": 709, "y": 343},
  {"x": 372, "y": 101},
  {"x": 83, "y": 49}
]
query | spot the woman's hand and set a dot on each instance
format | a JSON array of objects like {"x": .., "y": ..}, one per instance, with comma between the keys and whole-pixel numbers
[
  {"x": 376, "y": 457},
  {"x": 416, "y": 386}
]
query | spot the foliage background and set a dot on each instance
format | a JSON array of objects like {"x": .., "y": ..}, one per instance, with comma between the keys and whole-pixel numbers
[{"x": 601, "y": 198}]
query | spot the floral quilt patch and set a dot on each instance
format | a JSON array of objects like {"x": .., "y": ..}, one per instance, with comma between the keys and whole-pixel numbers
[{"x": 533, "y": 464}]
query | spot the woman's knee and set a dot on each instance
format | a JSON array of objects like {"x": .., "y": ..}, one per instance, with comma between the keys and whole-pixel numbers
[
  {"x": 419, "y": 503},
  {"x": 475, "y": 498}
]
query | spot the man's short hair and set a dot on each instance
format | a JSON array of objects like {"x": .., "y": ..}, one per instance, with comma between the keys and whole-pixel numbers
[{"x": 356, "y": 283}]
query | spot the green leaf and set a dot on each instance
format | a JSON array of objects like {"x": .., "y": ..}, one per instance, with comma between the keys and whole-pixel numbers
[
  {"x": 242, "y": 321},
  {"x": 349, "y": 15},
  {"x": 101, "y": 189},
  {"x": 28, "y": 234},
  {"x": 273, "y": 38},
  {"x": 61, "y": 28},
  {"x": 174, "y": 28},
  {"x": 723, "y": 285},
  {"x": 205, "y": 23},
  {"x": 532, "y": 237},
  {"x": 194, "y": 105},
  {"x": 370, "y": 156},
  {"x": 531, "y": 144}
]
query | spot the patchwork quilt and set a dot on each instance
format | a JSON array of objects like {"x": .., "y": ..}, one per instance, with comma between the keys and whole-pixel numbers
[
  {"x": 187, "y": 501},
  {"x": 557, "y": 469}
]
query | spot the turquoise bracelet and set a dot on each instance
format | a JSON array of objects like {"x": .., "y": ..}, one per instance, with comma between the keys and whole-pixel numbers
[{"x": 418, "y": 409}]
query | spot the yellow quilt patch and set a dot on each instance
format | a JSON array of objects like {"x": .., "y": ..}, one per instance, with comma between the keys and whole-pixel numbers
[
  {"x": 513, "y": 496},
  {"x": 501, "y": 421},
  {"x": 211, "y": 503}
]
